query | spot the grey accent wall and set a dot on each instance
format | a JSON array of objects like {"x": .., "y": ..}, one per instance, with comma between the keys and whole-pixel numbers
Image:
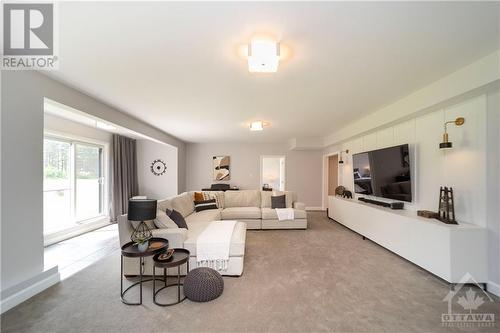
[
  {"x": 21, "y": 164},
  {"x": 303, "y": 168}
]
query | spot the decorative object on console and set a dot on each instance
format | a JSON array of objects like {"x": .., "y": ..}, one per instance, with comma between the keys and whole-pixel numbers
[
  {"x": 204, "y": 205},
  {"x": 347, "y": 194},
  {"x": 265, "y": 187},
  {"x": 221, "y": 168},
  {"x": 391, "y": 205},
  {"x": 221, "y": 187},
  {"x": 339, "y": 190},
  {"x": 158, "y": 167},
  {"x": 427, "y": 214},
  {"x": 341, "y": 161},
  {"x": 446, "y": 143},
  {"x": 446, "y": 206},
  {"x": 141, "y": 210}
]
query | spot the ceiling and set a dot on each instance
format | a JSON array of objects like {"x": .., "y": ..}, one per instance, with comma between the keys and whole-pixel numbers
[{"x": 176, "y": 65}]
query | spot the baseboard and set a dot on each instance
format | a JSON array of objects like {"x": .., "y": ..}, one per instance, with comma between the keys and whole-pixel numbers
[
  {"x": 315, "y": 208},
  {"x": 27, "y": 289},
  {"x": 493, "y": 288}
]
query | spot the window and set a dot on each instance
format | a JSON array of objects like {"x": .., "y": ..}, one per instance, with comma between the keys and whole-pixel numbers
[{"x": 73, "y": 187}]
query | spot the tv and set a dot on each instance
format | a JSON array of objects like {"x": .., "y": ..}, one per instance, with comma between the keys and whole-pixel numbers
[{"x": 384, "y": 173}]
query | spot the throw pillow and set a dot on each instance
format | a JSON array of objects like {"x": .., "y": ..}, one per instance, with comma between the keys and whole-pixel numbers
[
  {"x": 204, "y": 205},
  {"x": 198, "y": 196},
  {"x": 218, "y": 196},
  {"x": 278, "y": 201},
  {"x": 162, "y": 221},
  {"x": 177, "y": 218}
]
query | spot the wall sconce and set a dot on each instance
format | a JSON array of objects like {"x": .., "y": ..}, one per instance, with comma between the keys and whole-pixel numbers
[
  {"x": 340, "y": 157},
  {"x": 446, "y": 144}
]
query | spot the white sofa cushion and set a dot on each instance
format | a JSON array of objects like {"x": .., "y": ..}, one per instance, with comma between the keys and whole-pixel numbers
[
  {"x": 236, "y": 213},
  {"x": 266, "y": 198},
  {"x": 164, "y": 204},
  {"x": 270, "y": 214},
  {"x": 244, "y": 198},
  {"x": 237, "y": 247},
  {"x": 183, "y": 203},
  {"x": 203, "y": 216}
]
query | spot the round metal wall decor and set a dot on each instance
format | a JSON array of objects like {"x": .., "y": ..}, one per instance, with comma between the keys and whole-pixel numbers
[{"x": 158, "y": 167}]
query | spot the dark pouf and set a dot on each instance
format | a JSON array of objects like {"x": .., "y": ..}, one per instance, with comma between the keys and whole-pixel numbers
[{"x": 203, "y": 284}]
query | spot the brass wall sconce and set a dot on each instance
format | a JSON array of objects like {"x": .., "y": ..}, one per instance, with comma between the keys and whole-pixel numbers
[
  {"x": 340, "y": 155},
  {"x": 446, "y": 144}
]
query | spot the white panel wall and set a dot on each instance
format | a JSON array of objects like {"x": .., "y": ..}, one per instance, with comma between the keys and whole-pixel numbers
[
  {"x": 385, "y": 137},
  {"x": 404, "y": 132},
  {"x": 431, "y": 166}
]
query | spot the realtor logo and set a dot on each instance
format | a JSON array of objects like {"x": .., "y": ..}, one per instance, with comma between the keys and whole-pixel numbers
[
  {"x": 469, "y": 300},
  {"x": 28, "y": 36}
]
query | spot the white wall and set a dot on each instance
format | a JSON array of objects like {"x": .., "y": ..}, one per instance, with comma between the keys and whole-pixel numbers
[
  {"x": 150, "y": 185},
  {"x": 493, "y": 189},
  {"x": 66, "y": 126},
  {"x": 303, "y": 168}
]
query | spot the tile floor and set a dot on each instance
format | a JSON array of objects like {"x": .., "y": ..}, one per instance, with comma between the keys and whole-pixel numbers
[{"x": 76, "y": 253}]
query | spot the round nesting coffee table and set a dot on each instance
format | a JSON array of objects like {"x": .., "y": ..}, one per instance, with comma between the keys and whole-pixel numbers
[
  {"x": 156, "y": 245},
  {"x": 180, "y": 257}
]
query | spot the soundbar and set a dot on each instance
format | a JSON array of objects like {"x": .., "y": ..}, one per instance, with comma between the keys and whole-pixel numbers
[{"x": 391, "y": 205}]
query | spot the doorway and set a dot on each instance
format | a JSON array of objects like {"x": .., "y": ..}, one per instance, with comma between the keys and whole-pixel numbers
[
  {"x": 272, "y": 172},
  {"x": 330, "y": 176}
]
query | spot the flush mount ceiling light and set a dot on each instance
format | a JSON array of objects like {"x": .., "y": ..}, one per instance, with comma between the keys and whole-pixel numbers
[
  {"x": 446, "y": 144},
  {"x": 263, "y": 56},
  {"x": 258, "y": 125}
]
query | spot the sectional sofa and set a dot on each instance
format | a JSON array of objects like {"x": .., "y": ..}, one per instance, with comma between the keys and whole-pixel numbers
[{"x": 251, "y": 208}]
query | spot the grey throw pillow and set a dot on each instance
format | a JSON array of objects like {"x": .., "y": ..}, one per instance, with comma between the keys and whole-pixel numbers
[
  {"x": 278, "y": 201},
  {"x": 177, "y": 218},
  {"x": 162, "y": 221}
]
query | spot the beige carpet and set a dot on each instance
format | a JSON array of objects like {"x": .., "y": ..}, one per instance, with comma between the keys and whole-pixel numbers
[{"x": 326, "y": 278}]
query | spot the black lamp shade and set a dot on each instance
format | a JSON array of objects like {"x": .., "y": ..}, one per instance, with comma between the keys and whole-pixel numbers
[
  {"x": 142, "y": 210},
  {"x": 445, "y": 145}
]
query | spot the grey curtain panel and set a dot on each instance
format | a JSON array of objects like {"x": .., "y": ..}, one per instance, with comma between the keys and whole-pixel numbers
[{"x": 124, "y": 179}]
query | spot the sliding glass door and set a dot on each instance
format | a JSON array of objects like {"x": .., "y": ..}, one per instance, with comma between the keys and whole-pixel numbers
[
  {"x": 73, "y": 184},
  {"x": 57, "y": 186},
  {"x": 89, "y": 181}
]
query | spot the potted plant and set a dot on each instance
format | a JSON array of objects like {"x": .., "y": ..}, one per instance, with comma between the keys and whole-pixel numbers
[{"x": 142, "y": 243}]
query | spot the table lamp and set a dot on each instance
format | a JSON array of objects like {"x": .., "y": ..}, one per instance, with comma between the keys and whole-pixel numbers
[{"x": 141, "y": 210}]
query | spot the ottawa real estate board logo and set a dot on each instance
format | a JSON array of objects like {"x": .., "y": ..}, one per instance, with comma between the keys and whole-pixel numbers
[
  {"x": 28, "y": 36},
  {"x": 466, "y": 305}
]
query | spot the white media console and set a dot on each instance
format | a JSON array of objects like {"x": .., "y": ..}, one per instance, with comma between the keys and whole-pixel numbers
[{"x": 448, "y": 251}]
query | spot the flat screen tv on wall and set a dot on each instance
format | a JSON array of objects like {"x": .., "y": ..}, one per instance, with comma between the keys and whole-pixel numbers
[{"x": 384, "y": 173}]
